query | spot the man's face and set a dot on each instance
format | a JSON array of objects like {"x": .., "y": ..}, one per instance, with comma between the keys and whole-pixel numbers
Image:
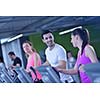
[
  {"x": 48, "y": 39},
  {"x": 11, "y": 57}
]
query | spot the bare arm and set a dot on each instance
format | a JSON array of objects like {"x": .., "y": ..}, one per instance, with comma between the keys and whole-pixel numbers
[
  {"x": 90, "y": 53},
  {"x": 46, "y": 63},
  {"x": 36, "y": 59},
  {"x": 18, "y": 64},
  {"x": 13, "y": 67},
  {"x": 61, "y": 64},
  {"x": 68, "y": 71}
]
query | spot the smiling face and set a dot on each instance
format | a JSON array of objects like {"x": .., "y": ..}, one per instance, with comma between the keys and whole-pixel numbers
[{"x": 48, "y": 39}]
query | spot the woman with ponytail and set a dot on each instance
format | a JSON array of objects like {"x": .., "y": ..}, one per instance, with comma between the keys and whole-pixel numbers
[
  {"x": 33, "y": 59},
  {"x": 86, "y": 54}
]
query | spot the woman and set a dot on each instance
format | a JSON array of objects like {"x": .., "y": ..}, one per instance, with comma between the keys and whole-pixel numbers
[
  {"x": 33, "y": 59},
  {"x": 86, "y": 54}
]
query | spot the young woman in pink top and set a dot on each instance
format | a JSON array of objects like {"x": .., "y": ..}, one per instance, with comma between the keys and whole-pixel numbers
[
  {"x": 33, "y": 59},
  {"x": 86, "y": 54}
]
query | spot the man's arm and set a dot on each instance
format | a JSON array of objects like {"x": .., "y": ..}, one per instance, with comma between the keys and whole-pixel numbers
[
  {"x": 61, "y": 64},
  {"x": 46, "y": 63},
  {"x": 17, "y": 65}
]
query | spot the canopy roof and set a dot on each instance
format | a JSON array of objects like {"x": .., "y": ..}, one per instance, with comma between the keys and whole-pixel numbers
[{"x": 14, "y": 25}]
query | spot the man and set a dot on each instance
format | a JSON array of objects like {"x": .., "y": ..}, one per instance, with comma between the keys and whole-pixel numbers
[
  {"x": 16, "y": 60},
  {"x": 71, "y": 59},
  {"x": 55, "y": 55}
]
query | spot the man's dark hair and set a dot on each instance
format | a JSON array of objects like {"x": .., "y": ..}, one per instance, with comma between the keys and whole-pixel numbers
[
  {"x": 45, "y": 32},
  {"x": 11, "y": 53},
  {"x": 69, "y": 52}
]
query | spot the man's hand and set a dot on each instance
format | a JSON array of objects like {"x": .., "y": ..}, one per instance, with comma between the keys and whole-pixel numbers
[
  {"x": 59, "y": 69},
  {"x": 81, "y": 68}
]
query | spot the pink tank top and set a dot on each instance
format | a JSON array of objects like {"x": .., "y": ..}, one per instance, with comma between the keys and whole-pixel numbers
[
  {"x": 30, "y": 63},
  {"x": 82, "y": 59}
]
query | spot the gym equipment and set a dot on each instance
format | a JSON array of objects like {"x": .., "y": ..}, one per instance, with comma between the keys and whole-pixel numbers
[
  {"x": 6, "y": 77},
  {"x": 48, "y": 74},
  {"x": 93, "y": 71},
  {"x": 19, "y": 75},
  {"x": 23, "y": 76}
]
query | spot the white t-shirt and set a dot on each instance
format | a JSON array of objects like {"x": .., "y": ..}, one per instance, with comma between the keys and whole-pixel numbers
[{"x": 54, "y": 56}]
